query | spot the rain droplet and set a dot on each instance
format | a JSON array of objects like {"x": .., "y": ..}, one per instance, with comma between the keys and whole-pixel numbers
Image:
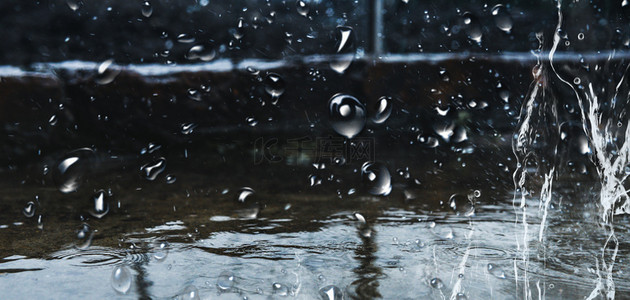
[
  {"x": 302, "y": 8},
  {"x": 461, "y": 205},
  {"x": 201, "y": 53},
  {"x": 496, "y": 271},
  {"x": 121, "y": 279},
  {"x": 194, "y": 94},
  {"x": 170, "y": 179},
  {"x": 147, "y": 9},
  {"x": 101, "y": 207},
  {"x": 185, "y": 38},
  {"x": 580, "y": 36},
  {"x": 383, "y": 110},
  {"x": 274, "y": 85},
  {"x": 461, "y": 296},
  {"x": 53, "y": 120},
  {"x": 428, "y": 141},
  {"x": 280, "y": 289},
  {"x": 502, "y": 18},
  {"x": 74, "y": 4},
  {"x": 69, "y": 173},
  {"x": 190, "y": 292},
  {"x": 106, "y": 72},
  {"x": 377, "y": 178},
  {"x": 188, "y": 128},
  {"x": 251, "y": 121},
  {"x": 239, "y": 32},
  {"x": 154, "y": 168},
  {"x": 160, "y": 251},
  {"x": 245, "y": 193},
  {"x": 314, "y": 180},
  {"x": 225, "y": 282},
  {"x": 473, "y": 28},
  {"x": 344, "y": 48},
  {"x": 29, "y": 209},
  {"x": 330, "y": 292},
  {"x": 437, "y": 283},
  {"x": 347, "y": 115}
]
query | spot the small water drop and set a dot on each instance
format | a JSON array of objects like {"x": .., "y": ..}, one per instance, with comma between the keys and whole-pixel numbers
[
  {"x": 502, "y": 18},
  {"x": 147, "y": 9},
  {"x": 29, "y": 209},
  {"x": 580, "y": 36},
  {"x": 347, "y": 115},
  {"x": 473, "y": 27},
  {"x": 383, "y": 110},
  {"x": 251, "y": 121},
  {"x": 74, "y": 4},
  {"x": 577, "y": 80},
  {"x": 185, "y": 38},
  {"x": 244, "y": 194},
  {"x": 100, "y": 204},
  {"x": 190, "y": 292},
  {"x": 72, "y": 168},
  {"x": 437, "y": 283},
  {"x": 121, "y": 279},
  {"x": 377, "y": 178},
  {"x": 461, "y": 296},
  {"x": 106, "y": 73},
  {"x": 170, "y": 179},
  {"x": 461, "y": 205},
  {"x": 280, "y": 289},
  {"x": 201, "y": 53},
  {"x": 84, "y": 236},
  {"x": 302, "y": 8},
  {"x": 239, "y": 32},
  {"x": 225, "y": 282},
  {"x": 194, "y": 94},
  {"x": 330, "y": 292},
  {"x": 53, "y": 120},
  {"x": 345, "y": 48},
  {"x": 154, "y": 168},
  {"x": 274, "y": 85},
  {"x": 160, "y": 251}
]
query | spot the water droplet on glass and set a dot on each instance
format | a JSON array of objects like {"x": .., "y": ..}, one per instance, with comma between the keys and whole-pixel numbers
[
  {"x": 239, "y": 32},
  {"x": 121, "y": 279},
  {"x": 170, "y": 179},
  {"x": 72, "y": 168},
  {"x": 580, "y": 36},
  {"x": 147, "y": 9},
  {"x": 302, "y": 8},
  {"x": 502, "y": 18},
  {"x": 251, "y": 121},
  {"x": 160, "y": 251},
  {"x": 53, "y": 120},
  {"x": 185, "y": 38},
  {"x": 347, "y": 115},
  {"x": 428, "y": 141},
  {"x": 154, "y": 168},
  {"x": 461, "y": 296},
  {"x": 190, "y": 292},
  {"x": 100, "y": 207},
  {"x": 314, "y": 180},
  {"x": 280, "y": 289},
  {"x": 377, "y": 178},
  {"x": 344, "y": 48},
  {"x": 437, "y": 283},
  {"x": 74, "y": 4},
  {"x": 194, "y": 94},
  {"x": 496, "y": 271},
  {"x": 383, "y": 110},
  {"x": 106, "y": 73},
  {"x": 188, "y": 128},
  {"x": 201, "y": 53},
  {"x": 473, "y": 27},
  {"x": 330, "y": 292},
  {"x": 274, "y": 86},
  {"x": 225, "y": 282},
  {"x": 29, "y": 209}
]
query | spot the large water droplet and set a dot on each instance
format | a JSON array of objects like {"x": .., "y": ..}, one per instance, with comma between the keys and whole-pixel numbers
[
  {"x": 154, "y": 168},
  {"x": 147, "y": 9},
  {"x": 185, "y": 38},
  {"x": 473, "y": 27},
  {"x": 345, "y": 48},
  {"x": 502, "y": 18},
  {"x": 377, "y": 178},
  {"x": 29, "y": 209},
  {"x": 225, "y": 282},
  {"x": 106, "y": 72},
  {"x": 72, "y": 168},
  {"x": 274, "y": 85},
  {"x": 201, "y": 53},
  {"x": 160, "y": 251},
  {"x": 347, "y": 115},
  {"x": 121, "y": 279},
  {"x": 239, "y": 32},
  {"x": 496, "y": 271},
  {"x": 101, "y": 205},
  {"x": 436, "y": 283},
  {"x": 330, "y": 292},
  {"x": 302, "y": 8},
  {"x": 383, "y": 110}
]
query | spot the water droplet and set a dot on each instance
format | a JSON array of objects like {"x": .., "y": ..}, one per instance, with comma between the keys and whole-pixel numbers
[
  {"x": 461, "y": 296},
  {"x": 225, "y": 282},
  {"x": 185, "y": 38},
  {"x": 190, "y": 292},
  {"x": 302, "y": 8},
  {"x": 194, "y": 94},
  {"x": 496, "y": 271},
  {"x": 473, "y": 27},
  {"x": 188, "y": 128},
  {"x": 160, "y": 251},
  {"x": 251, "y": 121},
  {"x": 84, "y": 236},
  {"x": 29, "y": 209},
  {"x": 170, "y": 179},
  {"x": 383, "y": 110},
  {"x": 577, "y": 80},
  {"x": 121, "y": 279},
  {"x": 437, "y": 283},
  {"x": 477, "y": 193},
  {"x": 106, "y": 73},
  {"x": 345, "y": 48},
  {"x": 53, "y": 120},
  {"x": 347, "y": 115},
  {"x": 74, "y": 4},
  {"x": 274, "y": 85},
  {"x": 201, "y": 53},
  {"x": 280, "y": 289},
  {"x": 377, "y": 178},
  {"x": 428, "y": 141},
  {"x": 314, "y": 180},
  {"x": 461, "y": 205},
  {"x": 154, "y": 168},
  {"x": 502, "y": 18},
  {"x": 239, "y": 32},
  {"x": 147, "y": 9},
  {"x": 330, "y": 292},
  {"x": 72, "y": 168},
  {"x": 101, "y": 207},
  {"x": 580, "y": 36}
]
